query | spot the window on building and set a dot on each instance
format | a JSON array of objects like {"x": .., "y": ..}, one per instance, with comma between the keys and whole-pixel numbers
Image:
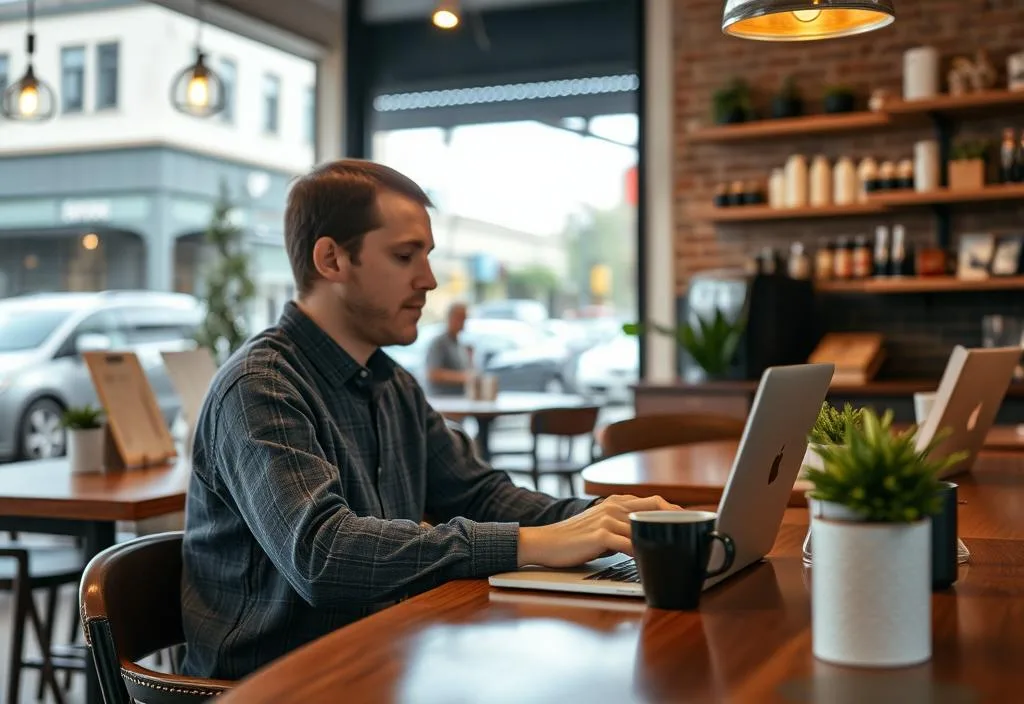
[
  {"x": 5, "y": 66},
  {"x": 72, "y": 81},
  {"x": 106, "y": 75},
  {"x": 229, "y": 81},
  {"x": 271, "y": 102},
  {"x": 310, "y": 114}
]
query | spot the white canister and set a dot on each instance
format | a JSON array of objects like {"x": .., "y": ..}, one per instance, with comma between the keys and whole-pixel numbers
[
  {"x": 777, "y": 188},
  {"x": 821, "y": 182},
  {"x": 1015, "y": 71},
  {"x": 920, "y": 73},
  {"x": 926, "y": 165},
  {"x": 796, "y": 181},
  {"x": 867, "y": 170},
  {"x": 923, "y": 402},
  {"x": 844, "y": 182},
  {"x": 86, "y": 448},
  {"x": 871, "y": 593}
]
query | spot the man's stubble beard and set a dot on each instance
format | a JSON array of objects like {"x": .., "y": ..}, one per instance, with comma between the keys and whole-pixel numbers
[{"x": 367, "y": 319}]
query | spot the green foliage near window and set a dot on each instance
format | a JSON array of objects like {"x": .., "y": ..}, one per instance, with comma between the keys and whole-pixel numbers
[
  {"x": 879, "y": 473},
  {"x": 711, "y": 343},
  {"x": 831, "y": 424},
  {"x": 228, "y": 285},
  {"x": 82, "y": 417}
]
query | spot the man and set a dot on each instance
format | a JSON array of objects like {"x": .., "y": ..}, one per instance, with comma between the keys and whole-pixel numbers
[
  {"x": 316, "y": 456},
  {"x": 447, "y": 361}
]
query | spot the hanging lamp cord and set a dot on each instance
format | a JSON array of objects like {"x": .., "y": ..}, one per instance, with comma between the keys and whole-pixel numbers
[{"x": 31, "y": 38}]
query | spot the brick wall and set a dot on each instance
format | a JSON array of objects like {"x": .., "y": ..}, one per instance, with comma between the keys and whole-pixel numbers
[{"x": 921, "y": 328}]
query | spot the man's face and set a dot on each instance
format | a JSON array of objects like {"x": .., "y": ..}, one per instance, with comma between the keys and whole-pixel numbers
[{"x": 387, "y": 288}]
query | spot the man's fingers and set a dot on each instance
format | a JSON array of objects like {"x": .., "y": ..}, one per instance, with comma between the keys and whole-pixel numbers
[
  {"x": 619, "y": 543},
  {"x": 651, "y": 503}
]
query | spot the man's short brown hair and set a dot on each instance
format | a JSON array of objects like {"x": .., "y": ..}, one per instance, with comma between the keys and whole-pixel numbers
[{"x": 338, "y": 200}]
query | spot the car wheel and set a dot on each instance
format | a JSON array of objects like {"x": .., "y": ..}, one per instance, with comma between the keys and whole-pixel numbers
[
  {"x": 40, "y": 434},
  {"x": 554, "y": 385}
]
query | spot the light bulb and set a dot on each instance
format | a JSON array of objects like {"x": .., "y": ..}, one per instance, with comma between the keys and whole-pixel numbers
[
  {"x": 198, "y": 91},
  {"x": 90, "y": 241},
  {"x": 445, "y": 19},
  {"x": 28, "y": 101},
  {"x": 807, "y": 15}
]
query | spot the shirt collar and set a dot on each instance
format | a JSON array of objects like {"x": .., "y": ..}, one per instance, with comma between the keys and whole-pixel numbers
[{"x": 328, "y": 356}]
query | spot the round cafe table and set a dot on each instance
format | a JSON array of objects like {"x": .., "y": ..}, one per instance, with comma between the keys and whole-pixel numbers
[{"x": 683, "y": 474}]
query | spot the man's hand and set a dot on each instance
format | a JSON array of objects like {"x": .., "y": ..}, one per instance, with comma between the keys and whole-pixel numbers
[{"x": 599, "y": 530}]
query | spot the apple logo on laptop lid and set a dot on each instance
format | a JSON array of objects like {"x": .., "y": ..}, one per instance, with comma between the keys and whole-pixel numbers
[{"x": 773, "y": 473}]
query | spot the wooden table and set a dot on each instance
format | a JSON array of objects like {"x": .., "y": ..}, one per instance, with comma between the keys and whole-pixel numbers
[
  {"x": 749, "y": 642},
  {"x": 507, "y": 403},
  {"x": 42, "y": 496}
]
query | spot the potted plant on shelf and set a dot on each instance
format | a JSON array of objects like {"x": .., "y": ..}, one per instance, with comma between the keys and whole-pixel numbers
[
  {"x": 711, "y": 343},
  {"x": 788, "y": 101},
  {"x": 967, "y": 165},
  {"x": 839, "y": 98},
  {"x": 732, "y": 103},
  {"x": 871, "y": 581},
  {"x": 86, "y": 438}
]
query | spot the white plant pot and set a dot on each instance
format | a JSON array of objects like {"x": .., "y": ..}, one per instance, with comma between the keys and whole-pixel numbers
[
  {"x": 86, "y": 450},
  {"x": 871, "y": 592}
]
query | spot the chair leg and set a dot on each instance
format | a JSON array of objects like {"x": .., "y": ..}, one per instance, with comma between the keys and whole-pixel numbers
[
  {"x": 20, "y": 593},
  {"x": 73, "y": 631},
  {"x": 46, "y": 673},
  {"x": 48, "y": 625}
]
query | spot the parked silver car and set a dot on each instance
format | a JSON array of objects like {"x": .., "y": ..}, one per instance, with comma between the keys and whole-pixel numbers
[{"x": 42, "y": 372}]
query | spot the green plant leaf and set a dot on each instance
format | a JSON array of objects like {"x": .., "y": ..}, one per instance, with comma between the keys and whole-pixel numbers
[{"x": 82, "y": 417}]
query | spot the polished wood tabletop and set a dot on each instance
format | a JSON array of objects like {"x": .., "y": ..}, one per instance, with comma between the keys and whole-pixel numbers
[
  {"x": 689, "y": 474},
  {"x": 48, "y": 489},
  {"x": 750, "y": 641}
]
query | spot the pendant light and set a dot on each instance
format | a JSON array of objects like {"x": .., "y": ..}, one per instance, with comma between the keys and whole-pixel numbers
[
  {"x": 804, "y": 20},
  {"x": 29, "y": 99},
  {"x": 446, "y": 14},
  {"x": 197, "y": 90}
]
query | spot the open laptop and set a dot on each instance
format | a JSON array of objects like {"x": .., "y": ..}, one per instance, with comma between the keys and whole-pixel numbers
[
  {"x": 755, "y": 497},
  {"x": 970, "y": 393}
]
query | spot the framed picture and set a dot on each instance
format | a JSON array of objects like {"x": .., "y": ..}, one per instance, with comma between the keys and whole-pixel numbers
[
  {"x": 1006, "y": 259},
  {"x": 975, "y": 256}
]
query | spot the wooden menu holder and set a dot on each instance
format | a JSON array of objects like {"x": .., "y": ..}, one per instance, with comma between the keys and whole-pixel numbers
[
  {"x": 137, "y": 435},
  {"x": 857, "y": 356}
]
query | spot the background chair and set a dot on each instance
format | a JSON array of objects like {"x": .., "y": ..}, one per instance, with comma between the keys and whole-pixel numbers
[
  {"x": 666, "y": 429},
  {"x": 130, "y": 599}
]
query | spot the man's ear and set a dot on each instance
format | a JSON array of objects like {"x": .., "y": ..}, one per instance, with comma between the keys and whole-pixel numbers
[{"x": 331, "y": 260}]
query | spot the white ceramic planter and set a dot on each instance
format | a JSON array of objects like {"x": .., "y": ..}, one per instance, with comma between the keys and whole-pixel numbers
[
  {"x": 86, "y": 450},
  {"x": 871, "y": 592}
]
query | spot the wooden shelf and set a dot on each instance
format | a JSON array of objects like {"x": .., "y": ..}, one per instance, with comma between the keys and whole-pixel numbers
[
  {"x": 760, "y": 213},
  {"x": 922, "y": 284},
  {"x": 791, "y": 126},
  {"x": 908, "y": 198},
  {"x": 958, "y": 104}
]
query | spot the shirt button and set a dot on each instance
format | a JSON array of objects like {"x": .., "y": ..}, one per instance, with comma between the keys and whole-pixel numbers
[{"x": 363, "y": 373}]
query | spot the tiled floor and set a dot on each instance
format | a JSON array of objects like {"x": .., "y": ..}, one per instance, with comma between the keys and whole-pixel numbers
[{"x": 506, "y": 435}]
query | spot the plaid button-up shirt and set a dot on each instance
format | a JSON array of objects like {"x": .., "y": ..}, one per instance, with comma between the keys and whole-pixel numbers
[{"x": 310, "y": 476}]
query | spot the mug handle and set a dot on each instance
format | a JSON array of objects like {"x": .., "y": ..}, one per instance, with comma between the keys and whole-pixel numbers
[{"x": 730, "y": 553}]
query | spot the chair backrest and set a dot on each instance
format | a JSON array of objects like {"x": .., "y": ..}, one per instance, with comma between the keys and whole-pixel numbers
[
  {"x": 666, "y": 429},
  {"x": 130, "y": 602},
  {"x": 565, "y": 422}
]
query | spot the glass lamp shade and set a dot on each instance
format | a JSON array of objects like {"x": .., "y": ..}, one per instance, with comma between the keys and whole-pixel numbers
[
  {"x": 197, "y": 90},
  {"x": 29, "y": 99},
  {"x": 804, "y": 20}
]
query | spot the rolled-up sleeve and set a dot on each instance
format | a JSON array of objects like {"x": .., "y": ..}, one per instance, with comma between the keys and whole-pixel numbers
[
  {"x": 459, "y": 483},
  {"x": 292, "y": 500}
]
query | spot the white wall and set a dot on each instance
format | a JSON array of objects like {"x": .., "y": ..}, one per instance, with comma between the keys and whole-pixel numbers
[{"x": 155, "y": 45}]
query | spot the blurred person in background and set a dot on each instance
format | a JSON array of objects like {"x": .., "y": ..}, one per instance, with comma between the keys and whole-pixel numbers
[{"x": 449, "y": 364}]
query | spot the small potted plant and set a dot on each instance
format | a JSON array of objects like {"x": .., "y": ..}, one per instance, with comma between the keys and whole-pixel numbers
[
  {"x": 871, "y": 581},
  {"x": 830, "y": 429},
  {"x": 711, "y": 343},
  {"x": 86, "y": 438},
  {"x": 967, "y": 165},
  {"x": 732, "y": 103},
  {"x": 788, "y": 102},
  {"x": 839, "y": 99}
]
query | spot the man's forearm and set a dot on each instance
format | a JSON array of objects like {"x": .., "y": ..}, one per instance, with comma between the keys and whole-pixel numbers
[{"x": 447, "y": 376}]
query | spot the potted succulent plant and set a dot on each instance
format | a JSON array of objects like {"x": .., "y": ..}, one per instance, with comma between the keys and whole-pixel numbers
[
  {"x": 732, "y": 103},
  {"x": 86, "y": 438},
  {"x": 871, "y": 581},
  {"x": 711, "y": 343},
  {"x": 788, "y": 101},
  {"x": 839, "y": 99},
  {"x": 967, "y": 165}
]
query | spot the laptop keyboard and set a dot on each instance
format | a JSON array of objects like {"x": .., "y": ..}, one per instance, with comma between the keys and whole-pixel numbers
[{"x": 625, "y": 571}]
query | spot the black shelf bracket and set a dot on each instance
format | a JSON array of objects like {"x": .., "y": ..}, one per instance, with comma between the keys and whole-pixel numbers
[{"x": 944, "y": 131}]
